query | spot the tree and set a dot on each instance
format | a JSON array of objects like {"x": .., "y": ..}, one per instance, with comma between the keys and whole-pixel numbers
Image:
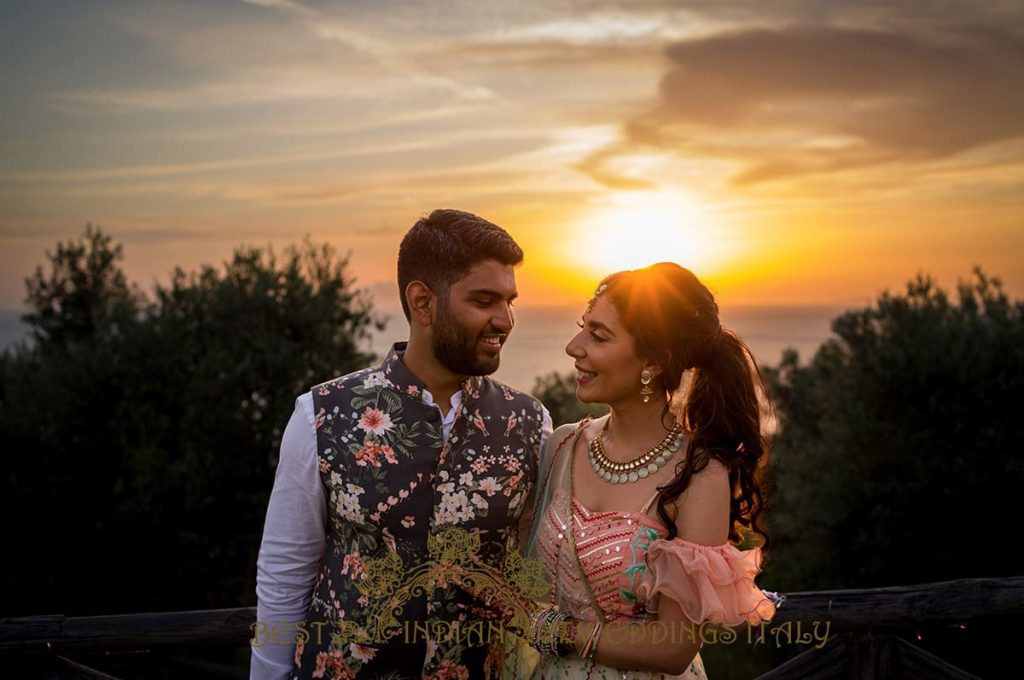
[
  {"x": 55, "y": 421},
  {"x": 897, "y": 457},
  {"x": 85, "y": 294},
  {"x": 142, "y": 454},
  {"x": 558, "y": 393}
]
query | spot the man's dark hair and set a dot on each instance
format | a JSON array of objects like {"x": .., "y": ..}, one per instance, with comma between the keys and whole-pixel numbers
[{"x": 441, "y": 248}]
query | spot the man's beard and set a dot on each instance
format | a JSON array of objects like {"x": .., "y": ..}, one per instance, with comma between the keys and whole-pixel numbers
[{"x": 456, "y": 350}]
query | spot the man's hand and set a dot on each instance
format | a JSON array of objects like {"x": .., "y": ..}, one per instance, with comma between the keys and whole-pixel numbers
[{"x": 497, "y": 597}]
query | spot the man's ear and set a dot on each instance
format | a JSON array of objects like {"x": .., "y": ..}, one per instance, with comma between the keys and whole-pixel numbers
[{"x": 422, "y": 303}]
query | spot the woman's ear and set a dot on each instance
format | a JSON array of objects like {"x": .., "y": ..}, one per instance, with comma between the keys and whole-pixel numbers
[
  {"x": 654, "y": 368},
  {"x": 422, "y": 303}
]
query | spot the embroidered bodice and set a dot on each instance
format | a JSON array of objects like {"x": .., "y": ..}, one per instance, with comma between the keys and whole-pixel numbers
[
  {"x": 612, "y": 548},
  {"x": 628, "y": 565}
]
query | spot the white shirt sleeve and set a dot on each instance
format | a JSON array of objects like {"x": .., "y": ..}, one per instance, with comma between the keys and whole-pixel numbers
[{"x": 292, "y": 550}]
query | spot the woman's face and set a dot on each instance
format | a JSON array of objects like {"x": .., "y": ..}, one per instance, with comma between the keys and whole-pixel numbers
[{"x": 607, "y": 367}]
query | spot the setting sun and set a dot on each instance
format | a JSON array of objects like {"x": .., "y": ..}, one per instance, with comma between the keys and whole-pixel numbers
[{"x": 635, "y": 229}]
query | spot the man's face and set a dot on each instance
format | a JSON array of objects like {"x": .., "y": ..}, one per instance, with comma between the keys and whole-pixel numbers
[{"x": 471, "y": 326}]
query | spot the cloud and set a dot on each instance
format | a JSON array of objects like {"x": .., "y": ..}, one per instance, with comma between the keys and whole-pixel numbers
[
  {"x": 215, "y": 166},
  {"x": 601, "y": 167},
  {"x": 812, "y": 99},
  {"x": 240, "y": 92},
  {"x": 260, "y": 52},
  {"x": 389, "y": 54}
]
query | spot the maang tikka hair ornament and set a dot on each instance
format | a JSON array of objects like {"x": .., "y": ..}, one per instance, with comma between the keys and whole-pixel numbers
[{"x": 600, "y": 289}]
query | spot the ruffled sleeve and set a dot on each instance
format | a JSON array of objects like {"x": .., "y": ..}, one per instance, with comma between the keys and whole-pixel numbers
[{"x": 710, "y": 583}]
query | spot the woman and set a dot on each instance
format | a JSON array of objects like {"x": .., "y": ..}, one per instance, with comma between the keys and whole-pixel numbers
[{"x": 639, "y": 512}]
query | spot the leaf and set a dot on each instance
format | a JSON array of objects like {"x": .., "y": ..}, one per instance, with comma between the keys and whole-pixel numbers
[
  {"x": 393, "y": 401},
  {"x": 359, "y": 403}
]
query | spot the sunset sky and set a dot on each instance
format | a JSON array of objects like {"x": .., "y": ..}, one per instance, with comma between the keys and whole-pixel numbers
[{"x": 793, "y": 152}]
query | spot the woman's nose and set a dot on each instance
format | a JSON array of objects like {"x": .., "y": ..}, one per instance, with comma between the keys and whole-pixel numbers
[{"x": 574, "y": 348}]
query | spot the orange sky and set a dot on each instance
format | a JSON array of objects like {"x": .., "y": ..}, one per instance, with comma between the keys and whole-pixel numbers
[{"x": 807, "y": 153}]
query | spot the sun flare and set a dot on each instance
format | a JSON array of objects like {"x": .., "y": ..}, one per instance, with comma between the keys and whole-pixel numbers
[{"x": 636, "y": 229}]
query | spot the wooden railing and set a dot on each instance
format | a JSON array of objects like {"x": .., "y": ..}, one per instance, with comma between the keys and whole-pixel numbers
[
  {"x": 864, "y": 641},
  {"x": 862, "y": 630}
]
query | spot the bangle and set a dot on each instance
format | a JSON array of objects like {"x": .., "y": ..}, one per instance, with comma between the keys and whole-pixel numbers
[
  {"x": 590, "y": 646},
  {"x": 553, "y": 632},
  {"x": 536, "y": 624},
  {"x": 547, "y": 626}
]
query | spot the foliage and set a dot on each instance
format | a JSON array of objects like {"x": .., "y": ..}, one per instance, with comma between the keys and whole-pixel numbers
[
  {"x": 897, "y": 457},
  {"x": 142, "y": 452},
  {"x": 558, "y": 393},
  {"x": 85, "y": 295}
]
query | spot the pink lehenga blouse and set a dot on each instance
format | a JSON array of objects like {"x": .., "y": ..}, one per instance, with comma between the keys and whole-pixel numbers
[{"x": 615, "y": 565}]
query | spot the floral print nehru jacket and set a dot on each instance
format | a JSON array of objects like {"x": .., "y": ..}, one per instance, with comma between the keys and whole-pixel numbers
[{"x": 394, "y": 491}]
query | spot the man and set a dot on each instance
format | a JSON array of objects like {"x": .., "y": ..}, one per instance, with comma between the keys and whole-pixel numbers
[{"x": 375, "y": 466}]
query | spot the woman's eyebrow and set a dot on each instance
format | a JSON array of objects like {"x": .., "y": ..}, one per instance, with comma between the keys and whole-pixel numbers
[{"x": 597, "y": 325}]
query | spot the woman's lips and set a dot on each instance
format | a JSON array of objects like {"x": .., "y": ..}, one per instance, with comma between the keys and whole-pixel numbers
[{"x": 583, "y": 376}]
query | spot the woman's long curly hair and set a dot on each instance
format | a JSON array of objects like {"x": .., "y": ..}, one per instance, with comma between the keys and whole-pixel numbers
[{"x": 673, "y": 319}]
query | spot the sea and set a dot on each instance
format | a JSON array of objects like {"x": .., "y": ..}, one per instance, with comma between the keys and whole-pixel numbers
[{"x": 536, "y": 346}]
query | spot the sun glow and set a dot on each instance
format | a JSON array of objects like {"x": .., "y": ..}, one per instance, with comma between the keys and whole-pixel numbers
[{"x": 639, "y": 228}]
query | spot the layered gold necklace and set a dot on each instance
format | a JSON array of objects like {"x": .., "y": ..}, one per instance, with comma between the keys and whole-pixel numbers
[{"x": 628, "y": 471}]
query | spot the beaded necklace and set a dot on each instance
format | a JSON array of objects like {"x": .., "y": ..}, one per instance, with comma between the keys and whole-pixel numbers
[{"x": 635, "y": 469}]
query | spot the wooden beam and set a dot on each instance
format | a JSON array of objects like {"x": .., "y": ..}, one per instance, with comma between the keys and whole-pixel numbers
[
  {"x": 873, "y": 657},
  {"x": 830, "y": 662},
  {"x": 906, "y": 607},
  {"x": 51, "y": 634},
  {"x": 918, "y": 664},
  {"x": 917, "y": 606},
  {"x": 60, "y": 668}
]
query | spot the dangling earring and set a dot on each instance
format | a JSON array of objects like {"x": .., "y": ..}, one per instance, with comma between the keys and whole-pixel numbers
[{"x": 645, "y": 381}]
